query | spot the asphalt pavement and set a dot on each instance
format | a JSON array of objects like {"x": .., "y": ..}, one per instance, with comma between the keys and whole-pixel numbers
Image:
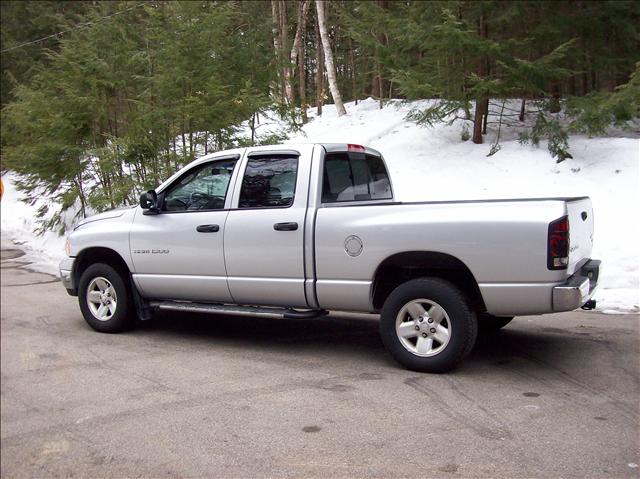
[{"x": 215, "y": 396}]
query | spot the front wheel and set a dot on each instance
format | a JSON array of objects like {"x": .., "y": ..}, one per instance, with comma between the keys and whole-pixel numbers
[
  {"x": 104, "y": 299},
  {"x": 427, "y": 325}
]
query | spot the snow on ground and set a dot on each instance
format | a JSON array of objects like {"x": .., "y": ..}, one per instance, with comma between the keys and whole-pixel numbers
[
  {"x": 435, "y": 164},
  {"x": 17, "y": 224}
]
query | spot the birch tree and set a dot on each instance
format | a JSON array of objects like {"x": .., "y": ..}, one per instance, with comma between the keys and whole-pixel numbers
[
  {"x": 298, "y": 54},
  {"x": 319, "y": 73},
  {"x": 328, "y": 59}
]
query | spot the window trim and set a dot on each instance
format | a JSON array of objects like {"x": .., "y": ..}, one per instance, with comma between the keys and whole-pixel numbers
[
  {"x": 161, "y": 195},
  {"x": 354, "y": 202},
  {"x": 278, "y": 154},
  {"x": 287, "y": 153}
]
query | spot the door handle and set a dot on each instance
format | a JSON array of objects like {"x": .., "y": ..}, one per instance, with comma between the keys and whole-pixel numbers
[
  {"x": 207, "y": 229},
  {"x": 285, "y": 226}
]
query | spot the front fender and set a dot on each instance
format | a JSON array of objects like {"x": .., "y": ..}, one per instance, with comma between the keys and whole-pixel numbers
[{"x": 110, "y": 233}]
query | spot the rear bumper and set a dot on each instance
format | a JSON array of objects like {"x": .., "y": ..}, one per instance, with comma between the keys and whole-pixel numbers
[{"x": 578, "y": 289}]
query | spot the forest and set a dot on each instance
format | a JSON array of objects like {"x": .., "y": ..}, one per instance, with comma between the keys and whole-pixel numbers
[{"x": 104, "y": 99}]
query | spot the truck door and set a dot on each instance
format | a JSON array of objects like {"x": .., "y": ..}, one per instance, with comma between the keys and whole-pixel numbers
[
  {"x": 178, "y": 253},
  {"x": 264, "y": 235}
]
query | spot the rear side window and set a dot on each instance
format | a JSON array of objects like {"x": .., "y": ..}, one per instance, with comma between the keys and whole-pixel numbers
[
  {"x": 354, "y": 177},
  {"x": 269, "y": 182}
]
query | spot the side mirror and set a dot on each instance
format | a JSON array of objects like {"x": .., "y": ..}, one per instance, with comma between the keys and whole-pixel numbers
[{"x": 149, "y": 202}]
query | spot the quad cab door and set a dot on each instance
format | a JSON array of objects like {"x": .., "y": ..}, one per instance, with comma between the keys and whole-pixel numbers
[
  {"x": 178, "y": 252},
  {"x": 264, "y": 236}
]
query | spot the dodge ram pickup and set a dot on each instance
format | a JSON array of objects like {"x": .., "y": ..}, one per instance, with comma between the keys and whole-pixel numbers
[{"x": 295, "y": 231}]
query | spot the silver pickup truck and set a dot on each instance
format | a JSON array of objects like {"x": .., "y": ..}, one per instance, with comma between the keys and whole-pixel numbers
[{"x": 294, "y": 231}]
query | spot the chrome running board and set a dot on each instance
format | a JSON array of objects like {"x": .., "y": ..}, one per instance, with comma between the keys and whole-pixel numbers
[{"x": 234, "y": 310}]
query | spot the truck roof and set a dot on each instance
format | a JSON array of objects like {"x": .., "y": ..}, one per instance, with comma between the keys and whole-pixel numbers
[
  {"x": 282, "y": 148},
  {"x": 292, "y": 147},
  {"x": 329, "y": 147}
]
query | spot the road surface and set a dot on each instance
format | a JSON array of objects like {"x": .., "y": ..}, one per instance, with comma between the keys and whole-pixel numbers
[{"x": 196, "y": 396}]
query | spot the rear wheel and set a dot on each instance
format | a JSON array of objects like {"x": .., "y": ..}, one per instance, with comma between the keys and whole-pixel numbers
[
  {"x": 104, "y": 299},
  {"x": 427, "y": 325},
  {"x": 488, "y": 323}
]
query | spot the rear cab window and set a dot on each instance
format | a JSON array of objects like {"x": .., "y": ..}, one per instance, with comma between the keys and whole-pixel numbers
[
  {"x": 269, "y": 182},
  {"x": 354, "y": 177}
]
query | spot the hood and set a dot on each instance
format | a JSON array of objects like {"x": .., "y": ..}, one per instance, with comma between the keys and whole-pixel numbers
[{"x": 104, "y": 216}]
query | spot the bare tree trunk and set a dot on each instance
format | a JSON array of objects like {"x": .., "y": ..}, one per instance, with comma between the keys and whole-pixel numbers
[
  {"x": 319, "y": 73},
  {"x": 352, "y": 67},
  {"x": 486, "y": 115},
  {"x": 302, "y": 83},
  {"x": 277, "y": 47},
  {"x": 303, "y": 9},
  {"x": 279, "y": 24},
  {"x": 477, "y": 121},
  {"x": 364, "y": 67},
  {"x": 374, "y": 80},
  {"x": 481, "y": 102},
  {"x": 379, "y": 77},
  {"x": 328, "y": 59},
  {"x": 297, "y": 54},
  {"x": 175, "y": 149},
  {"x": 522, "y": 110},
  {"x": 184, "y": 143},
  {"x": 286, "y": 67},
  {"x": 81, "y": 196}
]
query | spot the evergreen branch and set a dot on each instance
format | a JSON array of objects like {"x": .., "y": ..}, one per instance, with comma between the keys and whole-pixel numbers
[{"x": 81, "y": 25}]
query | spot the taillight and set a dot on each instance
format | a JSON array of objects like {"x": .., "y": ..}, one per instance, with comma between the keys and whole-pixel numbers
[
  {"x": 558, "y": 244},
  {"x": 351, "y": 147}
]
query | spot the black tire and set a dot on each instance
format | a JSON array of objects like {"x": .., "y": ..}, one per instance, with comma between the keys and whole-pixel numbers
[
  {"x": 123, "y": 316},
  {"x": 488, "y": 323},
  {"x": 462, "y": 324}
]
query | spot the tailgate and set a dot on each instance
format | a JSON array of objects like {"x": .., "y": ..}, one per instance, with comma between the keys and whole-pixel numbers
[{"x": 580, "y": 214}]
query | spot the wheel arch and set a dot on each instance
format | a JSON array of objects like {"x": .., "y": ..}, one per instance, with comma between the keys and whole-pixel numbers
[
  {"x": 99, "y": 254},
  {"x": 405, "y": 266}
]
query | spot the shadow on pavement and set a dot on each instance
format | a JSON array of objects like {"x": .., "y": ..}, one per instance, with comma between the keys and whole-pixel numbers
[{"x": 336, "y": 335}]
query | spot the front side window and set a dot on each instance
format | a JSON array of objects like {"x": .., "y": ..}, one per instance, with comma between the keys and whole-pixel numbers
[
  {"x": 354, "y": 177},
  {"x": 203, "y": 188},
  {"x": 269, "y": 182}
]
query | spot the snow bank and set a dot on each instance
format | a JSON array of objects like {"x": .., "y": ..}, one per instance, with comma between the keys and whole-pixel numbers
[
  {"x": 435, "y": 164},
  {"x": 17, "y": 224}
]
